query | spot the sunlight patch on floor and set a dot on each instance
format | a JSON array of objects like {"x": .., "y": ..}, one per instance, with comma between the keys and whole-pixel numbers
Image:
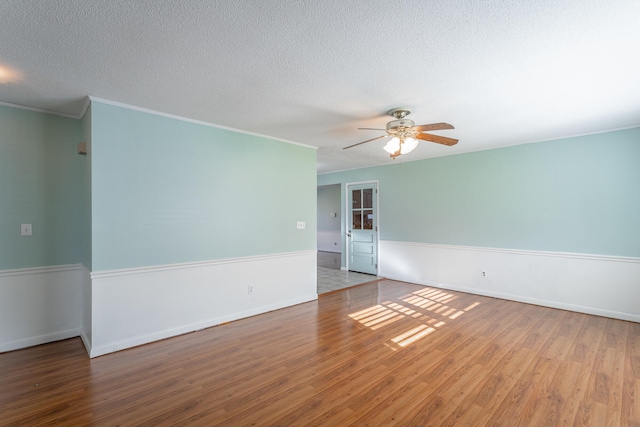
[{"x": 430, "y": 307}]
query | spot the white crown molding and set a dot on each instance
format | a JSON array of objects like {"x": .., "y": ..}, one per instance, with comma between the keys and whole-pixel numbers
[
  {"x": 199, "y": 264},
  {"x": 41, "y": 110},
  {"x": 90, "y": 99},
  {"x": 400, "y": 162},
  {"x": 85, "y": 107},
  {"x": 560, "y": 138},
  {"x": 198, "y": 122}
]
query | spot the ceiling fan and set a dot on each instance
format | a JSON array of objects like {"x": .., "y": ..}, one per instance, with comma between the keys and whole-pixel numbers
[{"x": 405, "y": 135}]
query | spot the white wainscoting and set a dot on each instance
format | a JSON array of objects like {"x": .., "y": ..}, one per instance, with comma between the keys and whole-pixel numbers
[
  {"x": 85, "y": 333},
  {"x": 141, "y": 305},
  {"x": 601, "y": 285},
  {"x": 39, "y": 305},
  {"x": 329, "y": 241}
]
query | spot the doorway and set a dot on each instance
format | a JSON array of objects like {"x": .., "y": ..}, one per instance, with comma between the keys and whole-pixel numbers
[
  {"x": 362, "y": 227},
  {"x": 329, "y": 226}
]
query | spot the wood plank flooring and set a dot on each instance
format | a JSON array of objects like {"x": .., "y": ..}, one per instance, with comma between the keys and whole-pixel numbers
[{"x": 380, "y": 354}]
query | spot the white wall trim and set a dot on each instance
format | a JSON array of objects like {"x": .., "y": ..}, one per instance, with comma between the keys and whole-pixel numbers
[
  {"x": 192, "y": 327},
  {"x": 198, "y": 122},
  {"x": 496, "y": 147},
  {"x": 574, "y": 255},
  {"x": 601, "y": 285},
  {"x": 41, "y": 110},
  {"x": 370, "y": 181},
  {"x": 534, "y": 301},
  {"x": 37, "y": 340},
  {"x": 85, "y": 107},
  {"x": 136, "y": 306},
  {"x": 40, "y": 305},
  {"x": 198, "y": 264},
  {"x": 40, "y": 270},
  {"x": 86, "y": 342},
  {"x": 87, "y": 304}
]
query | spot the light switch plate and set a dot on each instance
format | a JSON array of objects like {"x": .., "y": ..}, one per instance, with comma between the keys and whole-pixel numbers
[
  {"x": 25, "y": 229},
  {"x": 301, "y": 225}
]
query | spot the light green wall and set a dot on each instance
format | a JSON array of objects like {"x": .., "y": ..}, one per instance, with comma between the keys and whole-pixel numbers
[
  {"x": 572, "y": 195},
  {"x": 85, "y": 127},
  {"x": 167, "y": 191},
  {"x": 40, "y": 174}
]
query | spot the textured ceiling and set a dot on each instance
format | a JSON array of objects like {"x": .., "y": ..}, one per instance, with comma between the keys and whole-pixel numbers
[{"x": 312, "y": 72}]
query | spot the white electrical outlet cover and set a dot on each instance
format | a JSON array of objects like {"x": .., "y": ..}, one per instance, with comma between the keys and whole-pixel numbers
[{"x": 25, "y": 230}]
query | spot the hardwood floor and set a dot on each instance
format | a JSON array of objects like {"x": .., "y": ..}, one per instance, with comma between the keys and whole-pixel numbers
[{"x": 380, "y": 354}]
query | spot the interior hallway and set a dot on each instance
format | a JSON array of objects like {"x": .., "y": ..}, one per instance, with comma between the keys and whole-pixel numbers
[{"x": 331, "y": 278}]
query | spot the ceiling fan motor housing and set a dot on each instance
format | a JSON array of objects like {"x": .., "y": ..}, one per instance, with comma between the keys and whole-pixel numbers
[{"x": 398, "y": 126}]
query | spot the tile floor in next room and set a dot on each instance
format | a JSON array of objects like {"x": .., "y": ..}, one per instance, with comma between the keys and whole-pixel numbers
[{"x": 332, "y": 278}]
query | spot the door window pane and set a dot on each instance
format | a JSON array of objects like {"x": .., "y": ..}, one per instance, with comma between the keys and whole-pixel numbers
[
  {"x": 357, "y": 220},
  {"x": 367, "y": 220},
  {"x": 367, "y": 201},
  {"x": 356, "y": 197}
]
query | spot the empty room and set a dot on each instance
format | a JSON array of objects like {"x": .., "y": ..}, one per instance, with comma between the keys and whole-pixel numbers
[{"x": 178, "y": 181}]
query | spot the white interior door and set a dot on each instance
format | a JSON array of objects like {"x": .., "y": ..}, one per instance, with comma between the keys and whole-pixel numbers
[{"x": 362, "y": 227}]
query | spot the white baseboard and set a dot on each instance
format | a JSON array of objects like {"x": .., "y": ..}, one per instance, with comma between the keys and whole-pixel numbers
[
  {"x": 137, "y": 306},
  {"x": 86, "y": 342},
  {"x": 39, "y": 305},
  {"x": 185, "y": 329},
  {"x": 593, "y": 284},
  {"x": 37, "y": 340}
]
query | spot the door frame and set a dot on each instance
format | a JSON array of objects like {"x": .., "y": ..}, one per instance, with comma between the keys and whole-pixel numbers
[{"x": 346, "y": 220}]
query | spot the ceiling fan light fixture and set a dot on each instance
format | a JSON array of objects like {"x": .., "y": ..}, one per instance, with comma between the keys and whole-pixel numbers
[
  {"x": 392, "y": 146},
  {"x": 408, "y": 145},
  {"x": 405, "y": 135},
  {"x": 404, "y": 145}
]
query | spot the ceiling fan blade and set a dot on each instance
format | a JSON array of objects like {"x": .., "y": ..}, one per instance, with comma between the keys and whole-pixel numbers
[
  {"x": 437, "y": 139},
  {"x": 364, "y": 142},
  {"x": 370, "y": 129},
  {"x": 433, "y": 126}
]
